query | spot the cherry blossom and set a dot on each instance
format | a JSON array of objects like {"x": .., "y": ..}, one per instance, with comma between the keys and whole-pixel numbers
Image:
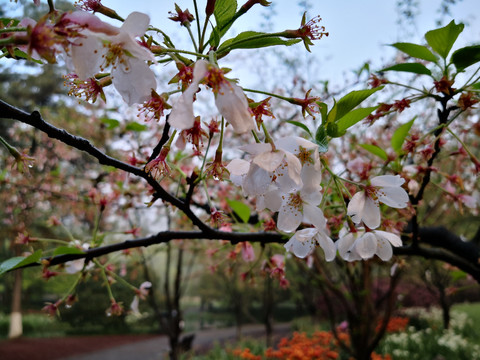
[
  {"x": 229, "y": 99},
  {"x": 303, "y": 242},
  {"x": 364, "y": 245},
  {"x": 104, "y": 45},
  {"x": 364, "y": 205}
]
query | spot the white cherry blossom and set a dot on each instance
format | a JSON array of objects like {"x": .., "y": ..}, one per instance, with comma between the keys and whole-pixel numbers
[
  {"x": 364, "y": 205},
  {"x": 364, "y": 245},
  {"x": 104, "y": 46},
  {"x": 303, "y": 242}
]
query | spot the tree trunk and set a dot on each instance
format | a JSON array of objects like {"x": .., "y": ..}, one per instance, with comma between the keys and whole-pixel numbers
[{"x": 16, "y": 329}]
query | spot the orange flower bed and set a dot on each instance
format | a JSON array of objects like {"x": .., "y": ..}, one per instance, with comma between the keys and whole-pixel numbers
[
  {"x": 396, "y": 324},
  {"x": 322, "y": 345}
]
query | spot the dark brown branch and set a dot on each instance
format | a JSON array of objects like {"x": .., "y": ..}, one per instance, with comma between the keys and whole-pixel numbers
[
  {"x": 165, "y": 237},
  {"x": 35, "y": 119}
]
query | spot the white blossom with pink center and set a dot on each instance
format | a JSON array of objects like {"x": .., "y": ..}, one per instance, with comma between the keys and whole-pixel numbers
[
  {"x": 364, "y": 245},
  {"x": 105, "y": 46},
  {"x": 364, "y": 205},
  {"x": 303, "y": 242}
]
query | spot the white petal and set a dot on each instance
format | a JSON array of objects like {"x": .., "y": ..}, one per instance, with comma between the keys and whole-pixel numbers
[
  {"x": 371, "y": 214},
  {"x": 327, "y": 245},
  {"x": 314, "y": 215},
  {"x": 300, "y": 244},
  {"x": 256, "y": 148},
  {"x": 311, "y": 178},
  {"x": 136, "y": 24},
  {"x": 238, "y": 167},
  {"x": 366, "y": 245},
  {"x": 269, "y": 160},
  {"x": 233, "y": 105},
  {"x": 395, "y": 197},
  {"x": 273, "y": 200},
  {"x": 257, "y": 181},
  {"x": 136, "y": 85},
  {"x": 181, "y": 117},
  {"x": 355, "y": 207},
  {"x": 289, "y": 218},
  {"x": 387, "y": 180},
  {"x": 294, "y": 168},
  {"x": 87, "y": 56},
  {"x": 384, "y": 249},
  {"x": 346, "y": 246},
  {"x": 392, "y": 238}
]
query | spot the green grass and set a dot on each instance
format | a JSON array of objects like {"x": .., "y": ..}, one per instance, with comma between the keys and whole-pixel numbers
[{"x": 471, "y": 309}]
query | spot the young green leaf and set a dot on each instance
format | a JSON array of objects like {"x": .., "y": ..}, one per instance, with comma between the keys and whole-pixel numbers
[
  {"x": 110, "y": 123},
  {"x": 301, "y": 126},
  {"x": 63, "y": 250},
  {"x": 352, "y": 118},
  {"x": 321, "y": 139},
  {"x": 375, "y": 150},
  {"x": 224, "y": 12},
  {"x": 348, "y": 102},
  {"x": 254, "y": 40},
  {"x": 441, "y": 40},
  {"x": 415, "y": 68},
  {"x": 19, "y": 261},
  {"x": 464, "y": 57},
  {"x": 399, "y": 136},
  {"x": 416, "y": 51},
  {"x": 323, "y": 108},
  {"x": 134, "y": 126},
  {"x": 241, "y": 209}
]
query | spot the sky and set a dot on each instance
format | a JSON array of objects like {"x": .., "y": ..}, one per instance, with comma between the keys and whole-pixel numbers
[{"x": 359, "y": 29}]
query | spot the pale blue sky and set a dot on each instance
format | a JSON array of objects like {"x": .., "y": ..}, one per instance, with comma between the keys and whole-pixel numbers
[{"x": 358, "y": 29}]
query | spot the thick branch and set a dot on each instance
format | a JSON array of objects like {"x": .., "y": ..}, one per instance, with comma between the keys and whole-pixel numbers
[
  {"x": 35, "y": 119},
  {"x": 165, "y": 237}
]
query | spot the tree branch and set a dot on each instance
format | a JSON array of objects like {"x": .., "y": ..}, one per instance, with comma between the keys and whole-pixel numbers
[{"x": 35, "y": 119}]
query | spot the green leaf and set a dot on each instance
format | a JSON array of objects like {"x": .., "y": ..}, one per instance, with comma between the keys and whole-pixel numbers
[
  {"x": 332, "y": 129},
  {"x": 464, "y": 57},
  {"x": 224, "y": 12},
  {"x": 321, "y": 139},
  {"x": 300, "y": 125},
  {"x": 399, "y": 136},
  {"x": 323, "y": 111},
  {"x": 134, "y": 126},
  {"x": 375, "y": 150},
  {"x": 64, "y": 250},
  {"x": 476, "y": 86},
  {"x": 441, "y": 40},
  {"x": 352, "y": 118},
  {"x": 19, "y": 261},
  {"x": 254, "y": 40},
  {"x": 348, "y": 102},
  {"x": 415, "y": 68},
  {"x": 416, "y": 51},
  {"x": 8, "y": 21},
  {"x": 241, "y": 209},
  {"x": 110, "y": 123}
]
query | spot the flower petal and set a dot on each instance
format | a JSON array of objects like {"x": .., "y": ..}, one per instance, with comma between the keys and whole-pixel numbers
[
  {"x": 355, "y": 207},
  {"x": 289, "y": 218},
  {"x": 327, "y": 245},
  {"x": 269, "y": 160},
  {"x": 314, "y": 215},
  {"x": 366, "y": 245},
  {"x": 135, "y": 85},
  {"x": 136, "y": 24},
  {"x": 395, "y": 197},
  {"x": 392, "y": 238},
  {"x": 233, "y": 105},
  {"x": 387, "y": 180},
  {"x": 238, "y": 167},
  {"x": 371, "y": 214},
  {"x": 384, "y": 249}
]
